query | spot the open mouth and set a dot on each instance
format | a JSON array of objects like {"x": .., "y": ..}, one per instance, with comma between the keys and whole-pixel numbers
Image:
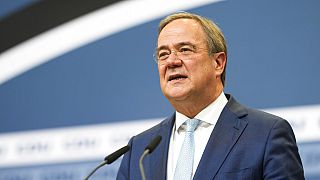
[{"x": 176, "y": 77}]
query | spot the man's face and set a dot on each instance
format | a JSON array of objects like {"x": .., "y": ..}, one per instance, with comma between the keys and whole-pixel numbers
[{"x": 186, "y": 78}]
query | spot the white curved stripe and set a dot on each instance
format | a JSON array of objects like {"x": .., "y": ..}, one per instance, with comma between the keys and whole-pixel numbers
[
  {"x": 305, "y": 121},
  {"x": 67, "y": 144},
  {"x": 90, "y": 142},
  {"x": 84, "y": 30}
]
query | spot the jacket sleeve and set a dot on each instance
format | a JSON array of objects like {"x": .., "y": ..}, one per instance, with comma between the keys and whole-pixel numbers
[{"x": 281, "y": 159}]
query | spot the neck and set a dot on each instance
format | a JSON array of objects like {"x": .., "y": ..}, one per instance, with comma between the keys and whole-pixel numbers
[{"x": 191, "y": 108}]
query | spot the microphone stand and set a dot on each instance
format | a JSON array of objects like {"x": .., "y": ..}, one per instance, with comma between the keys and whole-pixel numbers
[
  {"x": 109, "y": 159},
  {"x": 95, "y": 169},
  {"x": 148, "y": 150}
]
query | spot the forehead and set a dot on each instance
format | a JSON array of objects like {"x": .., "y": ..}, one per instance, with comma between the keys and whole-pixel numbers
[{"x": 181, "y": 30}]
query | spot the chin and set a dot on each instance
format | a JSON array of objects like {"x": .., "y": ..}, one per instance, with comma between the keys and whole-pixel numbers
[
  {"x": 176, "y": 93},
  {"x": 176, "y": 96}
]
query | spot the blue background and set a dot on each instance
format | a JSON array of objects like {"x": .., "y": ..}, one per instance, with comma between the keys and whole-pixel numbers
[{"x": 273, "y": 61}]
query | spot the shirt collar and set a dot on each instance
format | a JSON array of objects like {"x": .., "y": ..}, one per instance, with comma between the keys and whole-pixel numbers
[{"x": 208, "y": 116}]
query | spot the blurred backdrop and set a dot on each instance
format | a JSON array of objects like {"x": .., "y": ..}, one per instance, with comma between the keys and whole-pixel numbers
[{"x": 77, "y": 78}]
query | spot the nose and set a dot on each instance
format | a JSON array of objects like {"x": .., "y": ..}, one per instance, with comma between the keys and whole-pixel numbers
[{"x": 173, "y": 60}]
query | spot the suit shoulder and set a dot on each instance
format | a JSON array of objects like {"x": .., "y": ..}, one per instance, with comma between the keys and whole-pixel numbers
[
  {"x": 251, "y": 115},
  {"x": 264, "y": 118}
]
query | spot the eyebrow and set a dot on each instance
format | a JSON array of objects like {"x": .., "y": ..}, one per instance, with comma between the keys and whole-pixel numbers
[{"x": 176, "y": 45}]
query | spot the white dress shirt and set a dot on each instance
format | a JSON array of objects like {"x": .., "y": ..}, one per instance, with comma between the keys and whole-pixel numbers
[{"x": 208, "y": 118}]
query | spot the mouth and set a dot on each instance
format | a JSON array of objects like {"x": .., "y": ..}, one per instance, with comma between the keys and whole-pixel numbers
[{"x": 176, "y": 77}]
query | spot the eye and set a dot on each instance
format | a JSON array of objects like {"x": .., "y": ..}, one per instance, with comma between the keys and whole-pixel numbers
[
  {"x": 163, "y": 55},
  {"x": 186, "y": 50}
]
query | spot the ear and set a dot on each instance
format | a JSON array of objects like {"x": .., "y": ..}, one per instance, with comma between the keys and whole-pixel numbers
[{"x": 220, "y": 60}]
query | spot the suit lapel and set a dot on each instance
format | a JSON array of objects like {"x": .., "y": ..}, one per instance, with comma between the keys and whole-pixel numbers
[
  {"x": 226, "y": 132},
  {"x": 158, "y": 159}
]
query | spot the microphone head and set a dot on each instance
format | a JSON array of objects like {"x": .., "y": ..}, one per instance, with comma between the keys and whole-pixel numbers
[
  {"x": 114, "y": 156},
  {"x": 153, "y": 144}
]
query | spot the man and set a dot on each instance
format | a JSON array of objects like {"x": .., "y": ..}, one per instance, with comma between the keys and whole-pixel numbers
[{"x": 211, "y": 135}]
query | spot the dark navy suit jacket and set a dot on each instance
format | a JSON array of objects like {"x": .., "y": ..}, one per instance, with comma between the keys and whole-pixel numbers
[{"x": 245, "y": 144}]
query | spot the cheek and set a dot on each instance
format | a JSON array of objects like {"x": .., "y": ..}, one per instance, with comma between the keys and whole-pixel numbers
[
  {"x": 194, "y": 68},
  {"x": 202, "y": 72},
  {"x": 161, "y": 71}
]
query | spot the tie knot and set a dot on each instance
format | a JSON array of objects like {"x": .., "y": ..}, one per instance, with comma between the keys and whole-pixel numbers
[{"x": 192, "y": 124}]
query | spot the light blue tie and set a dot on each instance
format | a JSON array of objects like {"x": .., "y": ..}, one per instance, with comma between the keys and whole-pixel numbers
[{"x": 184, "y": 166}]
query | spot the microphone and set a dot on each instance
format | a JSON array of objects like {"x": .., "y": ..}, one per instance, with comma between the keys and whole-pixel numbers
[
  {"x": 109, "y": 159},
  {"x": 148, "y": 150},
  {"x": 114, "y": 156}
]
